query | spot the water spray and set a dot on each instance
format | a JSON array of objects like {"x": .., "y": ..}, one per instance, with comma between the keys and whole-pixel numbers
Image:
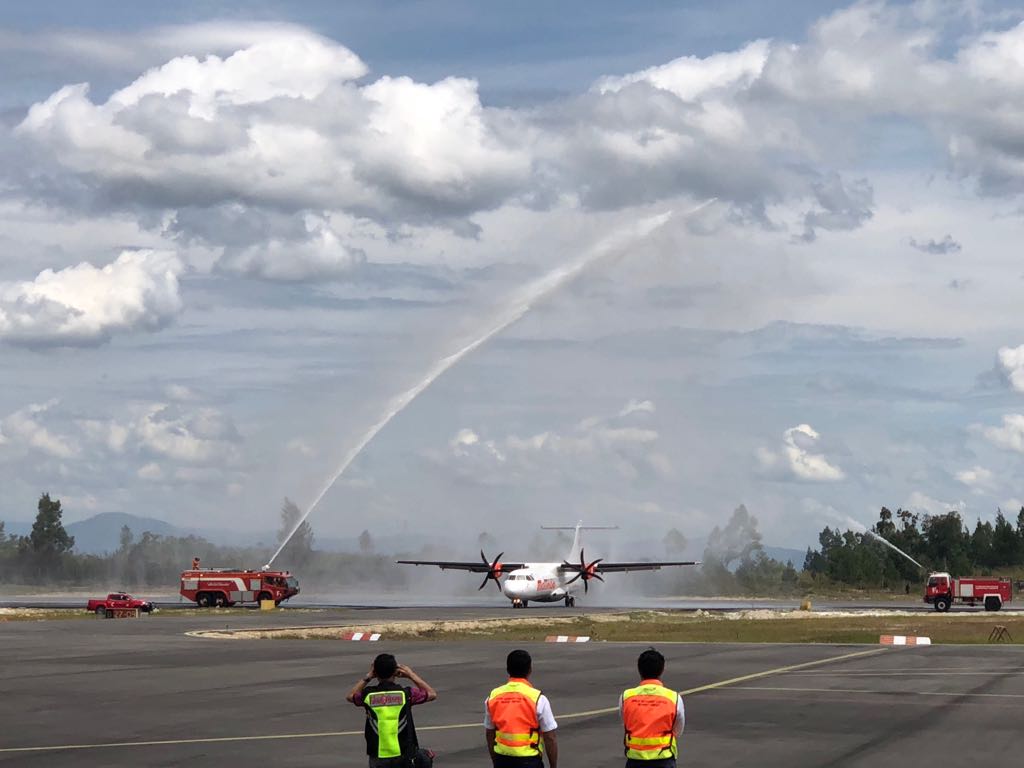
[
  {"x": 868, "y": 532},
  {"x": 892, "y": 546},
  {"x": 519, "y": 306}
]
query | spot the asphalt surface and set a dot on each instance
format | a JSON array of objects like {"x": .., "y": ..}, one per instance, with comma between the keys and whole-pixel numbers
[{"x": 76, "y": 688}]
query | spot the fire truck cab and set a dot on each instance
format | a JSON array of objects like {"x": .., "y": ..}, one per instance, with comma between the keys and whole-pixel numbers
[
  {"x": 222, "y": 587},
  {"x": 943, "y": 590}
]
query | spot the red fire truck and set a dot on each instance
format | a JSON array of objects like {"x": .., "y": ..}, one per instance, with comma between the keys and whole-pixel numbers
[
  {"x": 943, "y": 590},
  {"x": 229, "y": 586}
]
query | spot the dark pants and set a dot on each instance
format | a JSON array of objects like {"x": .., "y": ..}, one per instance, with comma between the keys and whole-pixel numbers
[
  {"x": 505, "y": 761},
  {"x": 668, "y": 762}
]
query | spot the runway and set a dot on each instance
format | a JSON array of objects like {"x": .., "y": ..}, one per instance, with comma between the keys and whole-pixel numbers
[{"x": 140, "y": 692}]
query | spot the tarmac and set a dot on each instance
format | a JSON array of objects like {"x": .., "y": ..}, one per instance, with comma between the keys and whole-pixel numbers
[{"x": 140, "y": 692}]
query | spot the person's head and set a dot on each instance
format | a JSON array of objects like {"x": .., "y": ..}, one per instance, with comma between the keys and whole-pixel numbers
[
  {"x": 385, "y": 666},
  {"x": 650, "y": 665},
  {"x": 519, "y": 664}
]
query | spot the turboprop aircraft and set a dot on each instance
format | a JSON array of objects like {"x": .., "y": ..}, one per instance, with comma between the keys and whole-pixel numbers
[{"x": 546, "y": 582}]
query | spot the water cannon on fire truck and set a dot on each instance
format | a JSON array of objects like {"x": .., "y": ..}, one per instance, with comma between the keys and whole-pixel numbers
[{"x": 224, "y": 587}]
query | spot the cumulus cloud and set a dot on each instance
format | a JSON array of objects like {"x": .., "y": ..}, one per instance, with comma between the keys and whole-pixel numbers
[
  {"x": 320, "y": 253},
  {"x": 975, "y": 477},
  {"x": 610, "y": 441},
  {"x": 283, "y": 124},
  {"x": 26, "y": 428},
  {"x": 191, "y": 437},
  {"x": 1010, "y": 363},
  {"x": 85, "y": 304},
  {"x": 922, "y": 502},
  {"x": 1009, "y": 436},
  {"x": 150, "y": 471},
  {"x": 300, "y": 447},
  {"x": 797, "y": 459},
  {"x": 937, "y": 247},
  {"x": 842, "y": 206}
]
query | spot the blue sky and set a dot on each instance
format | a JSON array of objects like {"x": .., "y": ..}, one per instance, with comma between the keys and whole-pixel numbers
[{"x": 232, "y": 232}]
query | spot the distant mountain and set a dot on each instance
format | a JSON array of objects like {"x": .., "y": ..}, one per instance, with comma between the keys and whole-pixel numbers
[{"x": 102, "y": 533}]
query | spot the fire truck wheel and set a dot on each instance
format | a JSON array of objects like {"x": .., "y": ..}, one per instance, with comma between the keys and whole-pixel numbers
[
  {"x": 101, "y": 611},
  {"x": 992, "y": 604},
  {"x": 942, "y": 604},
  {"x": 265, "y": 596},
  {"x": 203, "y": 600},
  {"x": 219, "y": 601}
]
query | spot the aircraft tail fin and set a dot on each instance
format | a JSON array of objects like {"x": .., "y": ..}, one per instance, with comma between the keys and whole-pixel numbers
[{"x": 577, "y": 539}]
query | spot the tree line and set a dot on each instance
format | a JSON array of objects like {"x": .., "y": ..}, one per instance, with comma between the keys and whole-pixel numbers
[
  {"x": 46, "y": 556},
  {"x": 734, "y": 560},
  {"x": 938, "y": 542}
]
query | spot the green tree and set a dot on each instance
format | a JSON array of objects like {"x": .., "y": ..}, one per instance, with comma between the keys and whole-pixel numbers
[
  {"x": 365, "y": 543},
  {"x": 947, "y": 543},
  {"x": 48, "y": 542},
  {"x": 1004, "y": 542},
  {"x": 982, "y": 545},
  {"x": 126, "y": 540},
  {"x": 675, "y": 542},
  {"x": 300, "y": 547}
]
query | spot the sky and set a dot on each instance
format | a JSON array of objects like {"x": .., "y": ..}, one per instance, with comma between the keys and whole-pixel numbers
[{"x": 232, "y": 233}]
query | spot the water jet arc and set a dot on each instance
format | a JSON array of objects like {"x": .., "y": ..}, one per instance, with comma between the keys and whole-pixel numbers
[{"x": 519, "y": 306}]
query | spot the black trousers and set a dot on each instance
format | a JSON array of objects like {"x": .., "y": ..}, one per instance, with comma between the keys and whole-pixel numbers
[
  {"x": 506, "y": 761},
  {"x": 668, "y": 762}
]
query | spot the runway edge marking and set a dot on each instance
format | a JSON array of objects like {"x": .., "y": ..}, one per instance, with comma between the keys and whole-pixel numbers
[{"x": 455, "y": 726}]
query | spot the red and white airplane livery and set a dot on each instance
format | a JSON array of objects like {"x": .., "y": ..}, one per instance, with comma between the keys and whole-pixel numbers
[{"x": 546, "y": 582}]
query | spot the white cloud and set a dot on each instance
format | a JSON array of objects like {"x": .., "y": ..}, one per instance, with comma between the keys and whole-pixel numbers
[
  {"x": 1011, "y": 365},
  {"x": 595, "y": 441},
  {"x": 150, "y": 471},
  {"x": 282, "y": 124},
  {"x": 797, "y": 459},
  {"x": 193, "y": 437},
  {"x": 1010, "y": 436},
  {"x": 24, "y": 428},
  {"x": 300, "y": 447},
  {"x": 320, "y": 253},
  {"x": 922, "y": 502},
  {"x": 86, "y": 305},
  {"x": 637, "y": 406},
  {"x": 976, "y": 477}
]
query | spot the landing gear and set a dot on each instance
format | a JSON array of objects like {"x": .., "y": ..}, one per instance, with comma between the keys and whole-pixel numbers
[
  {"x": 570, "y": 601},
  {"x": 517, "y": 603}
]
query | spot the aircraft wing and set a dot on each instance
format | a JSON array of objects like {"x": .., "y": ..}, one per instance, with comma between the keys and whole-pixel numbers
[
  {"x": 605, "y": 567},
  {"x": 456, "y": 565}
]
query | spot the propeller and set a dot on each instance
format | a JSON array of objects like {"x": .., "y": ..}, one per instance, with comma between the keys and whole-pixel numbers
[
  {"x": 586, "y": 572},
  {"x": 493, "y": 570}
]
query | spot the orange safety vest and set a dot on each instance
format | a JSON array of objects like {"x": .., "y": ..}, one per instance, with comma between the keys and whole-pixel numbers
[
  {"x": 649, "y": 714},
  {"x": 513, "y": 710}
]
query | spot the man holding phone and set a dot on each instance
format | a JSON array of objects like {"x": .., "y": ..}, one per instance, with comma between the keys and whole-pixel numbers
[{"x": 390, "y": 733}]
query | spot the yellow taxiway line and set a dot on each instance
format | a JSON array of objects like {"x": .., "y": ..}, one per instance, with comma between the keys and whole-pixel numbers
[{"x": 330, "y": 734}]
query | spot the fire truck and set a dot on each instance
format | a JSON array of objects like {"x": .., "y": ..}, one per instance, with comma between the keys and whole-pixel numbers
[
  {"x": 222, "y": 587},
  {"x": 943, "y": 590}
]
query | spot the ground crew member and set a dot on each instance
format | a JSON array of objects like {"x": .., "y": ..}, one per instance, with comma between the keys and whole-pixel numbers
[
  {"x": 195, "y": 563},
  {"x": 390, "y": 733},
  {"x": 653, "y": 716},
  {"x": 518, "y": 721}
]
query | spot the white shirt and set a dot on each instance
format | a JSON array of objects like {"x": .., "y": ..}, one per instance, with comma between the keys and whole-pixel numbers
[
  {"x": 680, "y": 714},
  {"x": 545, "y": 718}
]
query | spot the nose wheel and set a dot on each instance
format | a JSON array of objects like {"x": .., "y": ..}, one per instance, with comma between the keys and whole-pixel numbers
[
  {"x": 570, "y": 601},
  {"x": 517, "y": 603}
]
